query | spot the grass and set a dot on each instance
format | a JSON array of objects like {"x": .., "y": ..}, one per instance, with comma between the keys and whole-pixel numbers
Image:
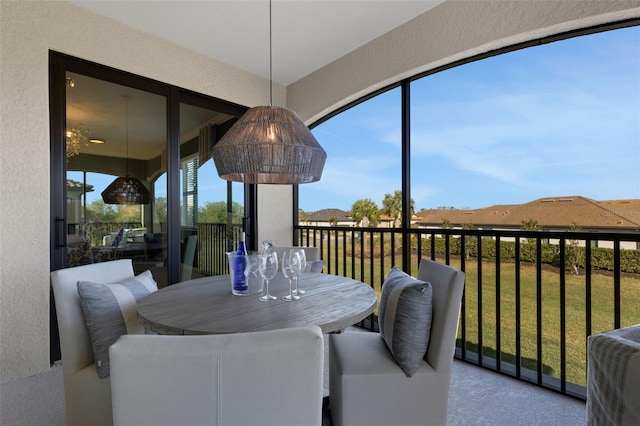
[
  {"x": 504, "y": 306},
  {"x": 575, "y": 325}
]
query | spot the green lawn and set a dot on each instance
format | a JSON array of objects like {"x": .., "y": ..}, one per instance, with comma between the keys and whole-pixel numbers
[
  {"x": 602, "y": 295},
  {"x": 602, "y": 299}
]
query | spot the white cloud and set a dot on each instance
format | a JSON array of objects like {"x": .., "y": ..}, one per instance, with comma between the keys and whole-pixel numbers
[
  {"x": 515, "y": 137},
  {"x": 347, "y": 179}
]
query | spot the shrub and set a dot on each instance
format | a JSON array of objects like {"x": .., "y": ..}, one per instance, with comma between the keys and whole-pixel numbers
[{"x": 601, "y": 258}]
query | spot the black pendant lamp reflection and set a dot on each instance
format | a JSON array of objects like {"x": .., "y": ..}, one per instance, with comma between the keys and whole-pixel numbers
[
  {"x": 126, "y": 189},
  {"x": 269, "y": 145}
]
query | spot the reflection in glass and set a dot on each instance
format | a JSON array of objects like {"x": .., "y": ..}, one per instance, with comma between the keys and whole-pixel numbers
[
  {"x": 211, "y": 210},
  {"x": 96, "y": 231},
  {"x": 210, "y": 216}
]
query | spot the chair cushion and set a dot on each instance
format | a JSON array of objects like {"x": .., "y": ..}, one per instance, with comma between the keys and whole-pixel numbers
[
  {"x": 404, "y": 318},
  {"x": 314, "y": 266},
  {"x": 110, "y": 311}
]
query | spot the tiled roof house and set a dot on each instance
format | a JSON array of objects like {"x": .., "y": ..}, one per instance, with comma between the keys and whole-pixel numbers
[
  {"x": 551, "y": 213},
  {"x": 325, "y": 217}
]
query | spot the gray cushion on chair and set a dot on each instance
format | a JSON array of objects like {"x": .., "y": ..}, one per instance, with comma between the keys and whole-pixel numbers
[
  {"x": 110, "y": 311},
  {"x": 404, "y": 318}
]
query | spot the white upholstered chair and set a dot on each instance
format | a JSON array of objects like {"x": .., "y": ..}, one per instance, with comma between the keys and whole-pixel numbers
[
  {"x": 613, "y": 377},
  {"x": 87, "y": 397},
  {"x": 366, "y": 385},
  {"x": 261, "y": 378},
  {"x": 311, "y": 253}
]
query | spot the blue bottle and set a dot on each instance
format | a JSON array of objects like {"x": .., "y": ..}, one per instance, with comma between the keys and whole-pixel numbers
[{"x": 239, "y": 278}]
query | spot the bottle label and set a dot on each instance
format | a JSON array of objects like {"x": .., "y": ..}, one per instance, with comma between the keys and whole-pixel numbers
[{"x": 239, "y": 278}]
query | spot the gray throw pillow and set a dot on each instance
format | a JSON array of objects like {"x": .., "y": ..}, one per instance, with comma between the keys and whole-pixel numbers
[
  {"x": 110, "y": 311},
  {"x": 404, "y": 318}
]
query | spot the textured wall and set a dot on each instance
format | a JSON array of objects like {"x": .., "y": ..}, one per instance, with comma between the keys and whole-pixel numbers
[
  {"x": 451, "y": 31},
  {"x": 28, "y": 29}
]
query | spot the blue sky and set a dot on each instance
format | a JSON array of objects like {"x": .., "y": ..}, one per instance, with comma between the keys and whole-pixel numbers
[
  {"x": 552, "y": 120},
  {"x": 557, "y": 119}
]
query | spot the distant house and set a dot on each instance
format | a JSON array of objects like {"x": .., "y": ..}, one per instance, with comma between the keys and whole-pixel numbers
[
  {"x": 337, "y": 217},
  {"x": 326, "y": 217},
  {"x": 550, "y": 213},
  {"x": 387, "y": 221}
]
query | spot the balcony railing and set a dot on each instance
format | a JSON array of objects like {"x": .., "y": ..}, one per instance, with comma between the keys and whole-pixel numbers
[
  {"x": 531, "y": 298},
  {"x": 214, "y": 241}
]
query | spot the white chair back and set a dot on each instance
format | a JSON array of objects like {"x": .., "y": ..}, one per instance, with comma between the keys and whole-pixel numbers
[
  {"x": 361, "y": 385},
  {"x": 447, "y": 284},
  {"x": 311, "y": 253},
  {"x": 88, "y": 398},
  {"x": 261, "y": 378}
]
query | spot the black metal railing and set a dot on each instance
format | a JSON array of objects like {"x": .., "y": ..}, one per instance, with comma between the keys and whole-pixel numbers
[
  {"x": 214, "y": 241},
  {"x": 531, "y": 297},
  {"x": 95, "y": 231}
]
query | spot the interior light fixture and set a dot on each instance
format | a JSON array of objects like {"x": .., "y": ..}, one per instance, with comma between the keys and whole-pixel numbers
[
  {"x": 96, "y": 141},
  {"x": 269, "y": 145},
  {"x": 126, "y": 189},
  {"x": 75, "y": 137}
]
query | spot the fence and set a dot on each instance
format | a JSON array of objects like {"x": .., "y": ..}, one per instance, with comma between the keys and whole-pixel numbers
[
  {"x": 529, "y": 305},
  {"x": 214, "y": 241}
]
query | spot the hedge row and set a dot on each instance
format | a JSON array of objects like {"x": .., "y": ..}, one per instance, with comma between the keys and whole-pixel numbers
[{"x": 601, "y": 258}]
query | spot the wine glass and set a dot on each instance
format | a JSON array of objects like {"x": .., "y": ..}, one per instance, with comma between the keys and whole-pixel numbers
[
  {"x": 252, "y": 274},
  {"x": 268, "y": 269},
  {"x": 299, "y": 263},
  {"x": 288, "y": 273}
]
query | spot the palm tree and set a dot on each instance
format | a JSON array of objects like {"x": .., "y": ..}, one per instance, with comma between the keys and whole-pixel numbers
[
  {"x": 365, "y": 212},
  {"x": 392, "y": 206}
]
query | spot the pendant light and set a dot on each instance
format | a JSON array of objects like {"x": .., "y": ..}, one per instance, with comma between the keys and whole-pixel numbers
[
  {"x": 269, "y": 145},
  {"x": 126, "y": 189}
]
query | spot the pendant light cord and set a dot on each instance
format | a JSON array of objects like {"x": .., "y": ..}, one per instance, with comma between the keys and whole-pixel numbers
[{"x": 270, "y": 59}]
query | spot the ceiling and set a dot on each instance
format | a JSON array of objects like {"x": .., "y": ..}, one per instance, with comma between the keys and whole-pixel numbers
[
  {"x": 306, "y": 34},
  {"x": 131, "y": 122}
]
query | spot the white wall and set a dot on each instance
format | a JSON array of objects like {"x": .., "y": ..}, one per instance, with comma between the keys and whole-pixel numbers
[
  {"x": 275, "y": 214},
  {"x": 449, "y": 32},
  {"x": 28, "y": 29}
]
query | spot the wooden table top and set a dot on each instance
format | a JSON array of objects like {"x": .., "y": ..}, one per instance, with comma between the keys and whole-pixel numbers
[{"x": 207, "y": 306}]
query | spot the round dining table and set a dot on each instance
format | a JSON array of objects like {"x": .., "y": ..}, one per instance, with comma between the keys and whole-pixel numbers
[{"x": 207, "y": 306}]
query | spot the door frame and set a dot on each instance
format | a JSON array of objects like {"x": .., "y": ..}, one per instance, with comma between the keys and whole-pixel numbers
[{"x": 59, "y": 65}]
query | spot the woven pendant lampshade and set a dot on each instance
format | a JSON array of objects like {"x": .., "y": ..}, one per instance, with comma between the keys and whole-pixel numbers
[
  {"x": 126, "y": 189},
  {"x": 269, "y": 145}
]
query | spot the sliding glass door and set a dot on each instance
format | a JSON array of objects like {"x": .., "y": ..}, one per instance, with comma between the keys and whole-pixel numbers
[
  {"x": 211, "y": 209},
  {"x": 113, "y": 131},
  {"x": 108, "y": 124}
]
